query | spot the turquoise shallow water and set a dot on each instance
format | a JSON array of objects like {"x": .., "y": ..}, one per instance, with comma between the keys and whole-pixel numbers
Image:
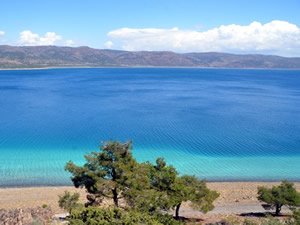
[{"x": 214, "y": 123}]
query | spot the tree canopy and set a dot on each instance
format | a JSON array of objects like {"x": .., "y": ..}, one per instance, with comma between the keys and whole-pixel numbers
[
  {"x": 113, "y": 173},
  {"x": 106, "y": 174},
  {"x": 180, "y": 189},
  {"x": 284, "y": 194}
]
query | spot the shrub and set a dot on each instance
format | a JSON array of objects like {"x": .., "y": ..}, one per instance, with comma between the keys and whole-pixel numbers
[
  {"x": 116, "y": 216},
  {"x": 69, "y": 201}
]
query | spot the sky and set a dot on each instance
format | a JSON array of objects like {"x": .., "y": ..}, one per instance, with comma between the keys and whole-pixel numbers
[{"x": 235, "y": 26}]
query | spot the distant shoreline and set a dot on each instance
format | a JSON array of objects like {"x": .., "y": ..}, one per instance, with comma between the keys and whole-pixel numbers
[
  {"x": 207, "y": 181},
  {"x": 144, "y": 67},
  {"x": 61, "y": 56}
]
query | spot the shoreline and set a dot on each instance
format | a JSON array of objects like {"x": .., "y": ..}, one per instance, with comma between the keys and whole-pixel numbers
[
  {"x": 142, "y": 67},
  {"x": 266, "y": 181},
  {"x": 234, "y": 196},
  {"x": 207, "y": 182}
]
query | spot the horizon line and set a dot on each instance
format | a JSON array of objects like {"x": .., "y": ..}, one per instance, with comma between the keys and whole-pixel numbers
[{"x": 155, "y": 51}]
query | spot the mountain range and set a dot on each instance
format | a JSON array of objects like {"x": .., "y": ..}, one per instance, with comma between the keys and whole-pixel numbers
[{"x": 57, "y": 56}]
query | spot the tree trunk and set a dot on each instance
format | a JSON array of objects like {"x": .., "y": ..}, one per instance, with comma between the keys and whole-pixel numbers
[
  {"x": 177, "y": 211},
  {"x": 278, "y": 209},
  {"x": 114, "y": 190},
  {"x": 115, "y": 197}
]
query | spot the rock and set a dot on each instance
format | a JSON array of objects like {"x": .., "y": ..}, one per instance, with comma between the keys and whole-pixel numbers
[{"x": 25, "y": 216}]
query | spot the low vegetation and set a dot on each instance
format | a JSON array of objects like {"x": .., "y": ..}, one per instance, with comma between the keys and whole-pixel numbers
[
  {"x": 284, "y": 194},
  {"x": 69, "y": 201},
  {"x": 146, "y": 193},
  {"x": 117, "y": 216},
  {"x": 138, "y": 189}
]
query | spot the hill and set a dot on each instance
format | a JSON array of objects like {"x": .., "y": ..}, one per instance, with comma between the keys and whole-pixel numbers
[{"x": 55, "y": 56}]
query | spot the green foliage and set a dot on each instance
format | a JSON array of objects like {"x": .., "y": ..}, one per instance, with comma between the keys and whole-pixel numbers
[
  {"x": 117, "y": 216},
  {"x": 179, "y": 189},
  {"x": 106, "y": 174},
  {"x": 278, "y": 196},
  {"x": 146, "y": 188},
  {"x": 162, "y": 176},
  {"x": 69, "y": 201},
  {"x": 200, "y": 195},
  {"x": 139, "y": 194},
  {"x": 45, "y": 206}
]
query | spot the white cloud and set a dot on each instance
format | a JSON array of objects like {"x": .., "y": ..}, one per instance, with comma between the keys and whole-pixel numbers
[
  {"x": 275, "y": 37},
  {"x": 69, "y": 43},
  {"x": 108, "y": 44},
  {"x": 29, "y": 38},
  {"x": 2, "y": 41}
]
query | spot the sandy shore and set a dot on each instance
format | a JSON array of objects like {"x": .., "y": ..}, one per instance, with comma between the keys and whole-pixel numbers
[{"x": 235, "y": 197}]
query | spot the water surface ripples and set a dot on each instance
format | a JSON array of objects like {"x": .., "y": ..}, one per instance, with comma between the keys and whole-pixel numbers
[{"x": 218, "y": 124}]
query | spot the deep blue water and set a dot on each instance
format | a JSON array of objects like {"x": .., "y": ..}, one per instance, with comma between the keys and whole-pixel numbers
[{"x": 218, "y": 124}]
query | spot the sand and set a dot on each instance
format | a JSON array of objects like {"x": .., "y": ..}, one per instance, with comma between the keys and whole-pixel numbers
[
  {"x": 235, "y": 198},
  {"x": 26, "y": 197}
]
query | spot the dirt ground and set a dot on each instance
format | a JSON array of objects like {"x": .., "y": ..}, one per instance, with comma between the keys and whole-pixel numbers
[{"x": 235, "y": 198}]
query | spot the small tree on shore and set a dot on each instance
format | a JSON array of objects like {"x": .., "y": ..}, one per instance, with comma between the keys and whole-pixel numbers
[
  {"x": 284, "y": 194},
  {"x": 106, "y": 174},
  {"x": 190, "y": 188},
  {"x": 178, "y": 189}
]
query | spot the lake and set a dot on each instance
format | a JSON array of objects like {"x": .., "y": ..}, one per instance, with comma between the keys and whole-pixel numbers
[{"x": 218, "y": 124}]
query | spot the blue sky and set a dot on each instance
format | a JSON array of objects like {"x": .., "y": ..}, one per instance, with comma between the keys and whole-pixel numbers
[{"x": 101, "y": 24}]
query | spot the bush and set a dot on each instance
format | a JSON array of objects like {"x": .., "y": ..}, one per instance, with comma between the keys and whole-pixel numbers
[
  {"x": 69, "y": 201},
  {"x": 117, "y": 216}
]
